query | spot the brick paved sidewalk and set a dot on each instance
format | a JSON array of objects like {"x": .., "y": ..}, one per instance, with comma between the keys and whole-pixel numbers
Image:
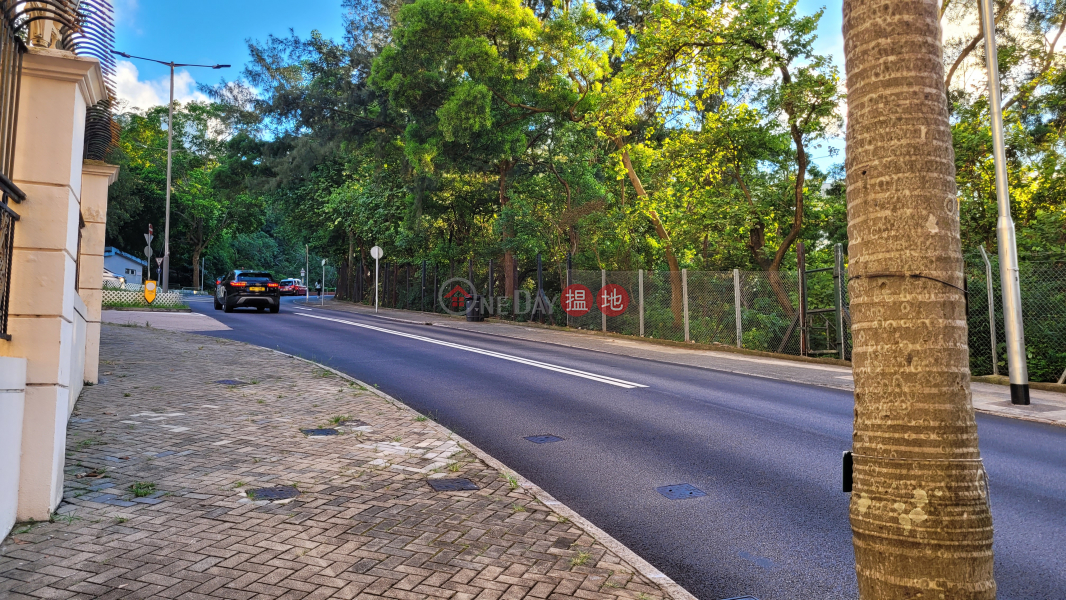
[{"x": 161, "y": 461}]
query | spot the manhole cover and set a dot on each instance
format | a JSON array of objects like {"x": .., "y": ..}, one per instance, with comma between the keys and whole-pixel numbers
[
  {"x": 353, "y": 423},
  {"x": 544, "y": 439},
  {"x": 230, "y": 382},
  {"x": 318, "y": 432},
  {"x": 278, "y": 492},
  {"x": 680, "y": 491},
  {"x": 452, "y": 485}
]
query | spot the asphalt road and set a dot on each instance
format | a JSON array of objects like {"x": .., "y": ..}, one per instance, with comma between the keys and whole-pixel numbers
[{"x": 773, "y": 522}]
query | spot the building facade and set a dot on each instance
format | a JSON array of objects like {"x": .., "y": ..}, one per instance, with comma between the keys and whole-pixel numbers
[
  {"x": 124, "y": 265},
  {"x": 51, "y": 248}
]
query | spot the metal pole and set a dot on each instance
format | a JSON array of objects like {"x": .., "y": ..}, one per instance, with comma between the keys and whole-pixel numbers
[
  {"x": 736, "y": 305},
  {"x": 684, "y": 300},
  {"x": 307, "y": 269},
  {"x": 1008, "y": 248},
  {"x": 540, "y": 288},
  {"x": 422, "y": 302},
  {"x": 569, "y": 281},
  {"x": 375, "y": 285},
  {"x": 801, "y": 267},
  {"x": 640, "y": 298},
  {"x": 170, "y": 153},
  {"x": 322, "y": 298},
  {"x": 991, "y": 309},
  {"x": 603, "y": 284},
  {"x": 838, "y": 275}
]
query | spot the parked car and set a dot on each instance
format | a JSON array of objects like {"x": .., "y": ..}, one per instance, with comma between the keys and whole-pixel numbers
[
  {"x": 248, "y": 288},
  {"x": 292, "y": 287}
]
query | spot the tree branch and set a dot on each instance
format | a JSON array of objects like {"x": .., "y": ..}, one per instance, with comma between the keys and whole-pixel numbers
[
  {"x": 973, "y": 44},
  {"x": 1025, "y": 91}
]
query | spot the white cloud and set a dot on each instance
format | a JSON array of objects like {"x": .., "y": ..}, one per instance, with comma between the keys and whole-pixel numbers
[{"x": 142, "y": 95}]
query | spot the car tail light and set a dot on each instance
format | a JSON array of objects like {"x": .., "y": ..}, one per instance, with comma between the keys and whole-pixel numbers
[
  {"x": 238, "y": 283},
  {"x": 272, "y": 285}
]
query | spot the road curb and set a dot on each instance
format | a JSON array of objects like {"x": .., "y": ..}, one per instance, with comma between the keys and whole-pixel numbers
[{"x": 669, "y": 587}]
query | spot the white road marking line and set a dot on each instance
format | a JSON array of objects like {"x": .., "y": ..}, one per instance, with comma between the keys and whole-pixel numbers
[
  {"x": 525, "y": 361},
  {"x": 300, "y": 308}
]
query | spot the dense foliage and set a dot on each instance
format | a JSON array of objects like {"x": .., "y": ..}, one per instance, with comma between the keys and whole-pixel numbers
[{"x": 647, "y": 134}]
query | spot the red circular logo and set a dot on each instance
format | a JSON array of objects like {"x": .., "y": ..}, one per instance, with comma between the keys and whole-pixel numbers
[
  {"x": 577, "y": 300},
  {"x": 613, "y": 300}
]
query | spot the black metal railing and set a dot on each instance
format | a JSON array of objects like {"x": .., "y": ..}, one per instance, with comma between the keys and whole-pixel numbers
[{"x": 7, "y": 241}]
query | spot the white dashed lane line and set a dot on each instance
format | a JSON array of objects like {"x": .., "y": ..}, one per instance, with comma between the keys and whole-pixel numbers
[{"x": 518, "y": 359}]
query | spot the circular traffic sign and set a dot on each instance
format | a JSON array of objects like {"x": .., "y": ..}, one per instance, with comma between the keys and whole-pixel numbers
[
  {"x": 613, "y": 300},
  {"x": 376, "y": 252}
]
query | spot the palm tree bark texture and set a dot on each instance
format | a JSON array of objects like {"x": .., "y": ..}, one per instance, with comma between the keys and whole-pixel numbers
[{"x": 919, "y": 509}]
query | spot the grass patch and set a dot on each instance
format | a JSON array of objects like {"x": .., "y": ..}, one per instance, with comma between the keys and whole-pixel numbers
[
  {"x": 512, "y": 481},
  {"x": 141, "y": 489},
  {"x": 580, "y": 559},
  {"x": 68, "y": 518}
]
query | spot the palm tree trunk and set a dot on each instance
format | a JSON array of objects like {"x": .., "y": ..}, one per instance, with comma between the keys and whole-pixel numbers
[{"x": 919, "y": 509}]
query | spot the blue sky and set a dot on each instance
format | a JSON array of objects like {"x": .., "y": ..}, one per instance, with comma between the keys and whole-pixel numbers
[
  {"x": 205, "y": 32},
  {"x": 214, "y": 31}
]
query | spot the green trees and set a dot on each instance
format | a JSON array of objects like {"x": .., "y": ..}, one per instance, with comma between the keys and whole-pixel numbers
[{"x": 655, "y": 135}]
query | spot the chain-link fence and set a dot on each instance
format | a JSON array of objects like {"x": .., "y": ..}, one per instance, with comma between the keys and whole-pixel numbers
[
  {"x": 1043, "y": 288},
  {"x": 747, "y": 309}
]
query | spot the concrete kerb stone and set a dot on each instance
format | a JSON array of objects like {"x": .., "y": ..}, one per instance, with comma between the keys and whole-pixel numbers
[{"x": 668, "y": 585}]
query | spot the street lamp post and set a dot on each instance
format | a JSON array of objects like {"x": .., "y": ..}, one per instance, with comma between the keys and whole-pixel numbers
[
  {"x": 1008, "y": 249},
  {"x": 165, "y": 276}
]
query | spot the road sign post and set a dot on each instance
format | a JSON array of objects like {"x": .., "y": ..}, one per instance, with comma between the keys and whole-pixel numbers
[
  {"x": 376, "y": 252},
  {"x": 148, "y": 249}
]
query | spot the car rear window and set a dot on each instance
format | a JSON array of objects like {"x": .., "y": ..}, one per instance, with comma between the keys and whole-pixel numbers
[{"x": 255, "y": 277}]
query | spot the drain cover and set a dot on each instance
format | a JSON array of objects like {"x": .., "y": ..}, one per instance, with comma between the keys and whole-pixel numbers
[
  {"x": 544, "y": 439},
  {"x": 318, "y": 432},
  {"x": 680, "y": 491},
  {"x": 278, "y": 492},
  {"x": 231, "y": 382},
  {"x": 452, "y": 485}
]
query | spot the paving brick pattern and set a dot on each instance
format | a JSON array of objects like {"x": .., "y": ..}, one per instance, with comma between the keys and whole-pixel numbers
[{"x": 365, "y": 525}]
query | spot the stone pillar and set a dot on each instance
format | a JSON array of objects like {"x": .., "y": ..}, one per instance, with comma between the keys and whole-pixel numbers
[
  {"x": 12, "y": 406},
  {"x": 47, "y": 316},
  {"x": 96, "y": 177}
]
